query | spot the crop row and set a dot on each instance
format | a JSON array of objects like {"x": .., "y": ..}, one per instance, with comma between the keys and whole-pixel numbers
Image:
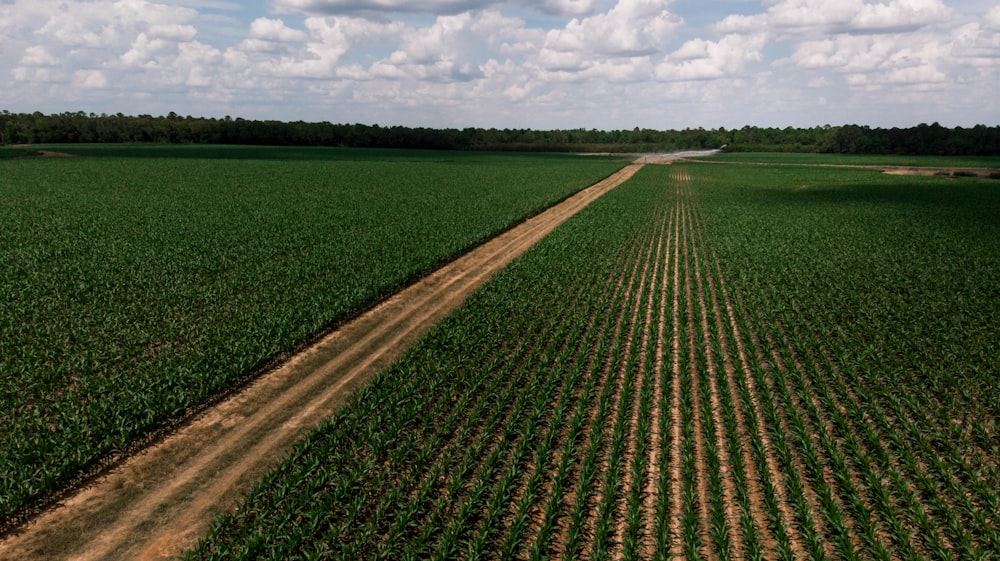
[
  {"x": 665, "y": 376},
  {"x": 857, "y": 286},
  {"x": 135, "y": 287}
]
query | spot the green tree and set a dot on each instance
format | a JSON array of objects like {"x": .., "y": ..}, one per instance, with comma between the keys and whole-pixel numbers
[{"x": 9, "y": 133}]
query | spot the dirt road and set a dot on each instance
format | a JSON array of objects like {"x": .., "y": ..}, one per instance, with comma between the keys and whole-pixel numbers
[{"x": 161, "y": 501}]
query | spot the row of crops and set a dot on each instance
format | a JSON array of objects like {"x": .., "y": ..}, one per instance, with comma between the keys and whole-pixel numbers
[
  {"x": 710, "y": 362},
  {"x": 137, "y": 282}
]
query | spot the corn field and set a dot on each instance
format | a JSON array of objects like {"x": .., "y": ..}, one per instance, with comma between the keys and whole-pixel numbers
[{"x": 710, "y": 362}]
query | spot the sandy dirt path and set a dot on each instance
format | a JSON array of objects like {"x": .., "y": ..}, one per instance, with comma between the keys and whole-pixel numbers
[{"x": 160, "y": 501}]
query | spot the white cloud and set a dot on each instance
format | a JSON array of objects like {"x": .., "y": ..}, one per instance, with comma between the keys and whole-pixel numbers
[
  {"x": 630, "y": 28},
  {"x": 900, "y": 59},
  {"x": 448, "y": 50},
  {"x": 198, "y": 65},
  {"x": 144, "y": 51},
  {"x": 173, "y": 32},
  {"x": 109, "y": 24},
  {"x": 817, "y": 83},
  {"x": 541, "y": 63},
  {"x": 90, "y": 44},
  {"x": 844, "y": 16},
  {"x": 919, "y": 74},
  {"x": 900, "y": 15},
  {"x": 992, "y": 18},
  {"x": 738, "y": 23},
  {"x": 565, "y": 8},
  {"x": 977, "y": 46},
  {"x": 267, "y": 29},
  {"x": 37, "y": 74},
  {"x": 848, "y": 53},
  {"x": 90, "y": 79},
  {"x": 699, "y": 59},
  {"x": 811, "y": 14},
  {"x": 272, "y": 36},
  {"x": 317, "y": 53},
  {"x": 37, "y": 55},
  {"x": 324, "y": 7}
]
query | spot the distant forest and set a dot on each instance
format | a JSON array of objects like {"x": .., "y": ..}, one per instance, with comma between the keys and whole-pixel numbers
[{"x": 923, "y": 139}]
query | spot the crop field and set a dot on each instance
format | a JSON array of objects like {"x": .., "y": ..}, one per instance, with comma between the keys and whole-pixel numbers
[
  {"x": 858, "y": 159},
  {"x": 710, "y": 362},
  {"x": 138, "y": 281}
]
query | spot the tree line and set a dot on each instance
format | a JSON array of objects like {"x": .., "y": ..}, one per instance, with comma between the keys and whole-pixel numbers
[{"x": 80, "y": 127}]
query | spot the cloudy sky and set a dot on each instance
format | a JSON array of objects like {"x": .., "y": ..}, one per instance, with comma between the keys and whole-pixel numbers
[{"x": 606, "y": 64}]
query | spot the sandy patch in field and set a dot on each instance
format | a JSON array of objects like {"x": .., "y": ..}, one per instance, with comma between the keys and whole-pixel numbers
[{"x": 992, "y": 173}]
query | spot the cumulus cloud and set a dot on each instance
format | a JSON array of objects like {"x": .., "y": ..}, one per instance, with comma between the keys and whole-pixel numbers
[
  {"x": 267, "y": 29},
  {"x": 845, "y": 53},
  {"x": 699, "y": 59},
  {"x": 269, "y": 35},
  {"x": 90, "y": 79},
  {"x": 88, "y": 44},
  {"x": 144, "y": 51},
  {"x": 739, "y": 23},
  {"x": 173, "y": 32},
  {"x": 449, "y": 50},
  {"x": 977, "y": 45},
  {"x": 566, "y": 8},
  {"x": 992, "y": 18},
  {"x": 880, "y": 59},
  {"x": 900, "y": 15},
  {"x": 843, "y": 16},
  {"x": 592, "y": 61},
  {"x": 632, "y": 28},
  {"x": 38, "y": 55},
  {"x": 315, "y": 53}
]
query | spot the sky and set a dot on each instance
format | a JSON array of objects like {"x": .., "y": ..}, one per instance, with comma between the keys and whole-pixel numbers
[{"x": 546, "y": 64}]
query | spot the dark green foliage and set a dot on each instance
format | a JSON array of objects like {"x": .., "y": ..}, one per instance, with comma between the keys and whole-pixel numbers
[
  {"x": 80, "y": 127},
  {"x": 864, "y": 393},
  {"x": 133, "y": 288}
]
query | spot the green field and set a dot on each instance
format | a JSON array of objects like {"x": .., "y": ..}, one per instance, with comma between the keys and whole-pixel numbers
[
  {"x": 857, "y": 160},
  {"x": 710, "y": 362},
  {"x": 137, "y": 281}
]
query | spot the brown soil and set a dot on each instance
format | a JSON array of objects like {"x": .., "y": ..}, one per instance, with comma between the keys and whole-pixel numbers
[
  {"x": 162, "y": 500},
  {"x": 676, "y": 420},
  {"x": 716, "y": 287},
  {"x": 942, "y": 172}
]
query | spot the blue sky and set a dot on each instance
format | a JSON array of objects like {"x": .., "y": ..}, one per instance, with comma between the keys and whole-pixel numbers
[{"x": 607, "y": 64}]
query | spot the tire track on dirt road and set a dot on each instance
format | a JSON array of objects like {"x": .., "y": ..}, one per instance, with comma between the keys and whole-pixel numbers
[{"x": 161, "y": 500}]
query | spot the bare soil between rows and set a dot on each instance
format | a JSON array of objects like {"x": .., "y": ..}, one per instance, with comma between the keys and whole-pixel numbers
[{"x": 160, "y": 501}]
